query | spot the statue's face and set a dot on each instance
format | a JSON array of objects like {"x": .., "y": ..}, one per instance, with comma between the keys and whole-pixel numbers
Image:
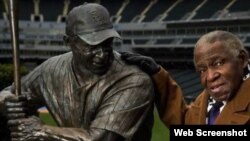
[{"x": 95, "y": 58}]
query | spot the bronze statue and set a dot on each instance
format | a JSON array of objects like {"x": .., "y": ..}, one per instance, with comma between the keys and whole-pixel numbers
[{"x": 90, "y": 92}]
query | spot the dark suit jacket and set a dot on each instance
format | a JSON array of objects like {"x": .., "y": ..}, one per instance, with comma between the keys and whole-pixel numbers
[{"x": 173, "y": 109}]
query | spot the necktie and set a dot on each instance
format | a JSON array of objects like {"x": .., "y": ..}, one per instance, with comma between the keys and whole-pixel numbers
[{"x": 214, "y": 112}]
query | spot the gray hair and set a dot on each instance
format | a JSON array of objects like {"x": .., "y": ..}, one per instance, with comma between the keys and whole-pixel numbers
[{"x": 228, "y": 40}]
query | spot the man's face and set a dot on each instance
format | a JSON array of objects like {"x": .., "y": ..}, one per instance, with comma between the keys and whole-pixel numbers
[
  {"x": 96, "y": 58},
  {"x": 220, "y": 71}
]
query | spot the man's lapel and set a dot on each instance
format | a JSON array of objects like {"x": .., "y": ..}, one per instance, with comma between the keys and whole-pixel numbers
[{"x": 231, "y": 113}]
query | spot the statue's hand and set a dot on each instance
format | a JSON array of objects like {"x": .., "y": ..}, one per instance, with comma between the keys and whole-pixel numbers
[
  {"x": 147, "y": 64},
  {"x": 15, "y": 106},
  {"x": 26, "y": 129}
]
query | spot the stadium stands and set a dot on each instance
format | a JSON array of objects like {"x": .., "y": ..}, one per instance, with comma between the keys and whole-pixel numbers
[
  {"x": 240, "y": 5},
  {"x": 134, "y": 8},
  {"x": 210, "y": 8},
  {"x": 51, "y": 9},
  {"x": 112, "y": 5},
  {"x": 1, "y": 10},
  {"x": 157, "y": 10},
  {"x": 183, "y": 7},
  {"x": 164, "y": 29},
  {"x": 25, "y": 14}
]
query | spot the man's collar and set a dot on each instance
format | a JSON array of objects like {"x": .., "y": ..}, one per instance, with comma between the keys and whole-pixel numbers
[{"x": 211, "y": 101}]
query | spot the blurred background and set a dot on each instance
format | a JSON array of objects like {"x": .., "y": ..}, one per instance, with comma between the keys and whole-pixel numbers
[{"x": 163, "y": 29}]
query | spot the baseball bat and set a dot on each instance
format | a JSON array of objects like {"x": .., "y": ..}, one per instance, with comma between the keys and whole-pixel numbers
[{"x": 14, "y": 29}]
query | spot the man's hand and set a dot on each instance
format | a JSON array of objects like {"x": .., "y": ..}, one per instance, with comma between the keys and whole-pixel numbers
[
  {"x": 26, "y": 129},
  {"x": 147, "y": 64}
]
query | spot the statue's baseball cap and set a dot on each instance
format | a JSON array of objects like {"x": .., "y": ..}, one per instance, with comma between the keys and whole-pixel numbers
[{"x": 90, "y": 22}]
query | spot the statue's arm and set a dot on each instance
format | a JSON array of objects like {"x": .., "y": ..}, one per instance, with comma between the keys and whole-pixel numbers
[
  {"x": 119, "y": 116},
  {"x": 77, "y": 134},
  {"x": 32, "y": 129}
]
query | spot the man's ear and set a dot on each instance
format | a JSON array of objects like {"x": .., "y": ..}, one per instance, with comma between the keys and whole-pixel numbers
[{"x": 243, "y": 56}]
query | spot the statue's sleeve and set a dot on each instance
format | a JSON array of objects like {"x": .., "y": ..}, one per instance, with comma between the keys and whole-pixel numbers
[
  {"x": 32, "y": 87},
  {"x": 28, "y": 86},
  {"x": 125, "y": 106}
]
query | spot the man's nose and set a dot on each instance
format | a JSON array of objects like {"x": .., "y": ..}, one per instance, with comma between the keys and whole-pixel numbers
[{"x": 212, "y": 75}]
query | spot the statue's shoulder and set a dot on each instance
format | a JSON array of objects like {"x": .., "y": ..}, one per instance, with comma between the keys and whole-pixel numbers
[
  {"x": 58, "y": 59},
  {"x": 57, "y": 63},
  {"x": 121, "y": 69},
  {"x": 129, "y": 68}
]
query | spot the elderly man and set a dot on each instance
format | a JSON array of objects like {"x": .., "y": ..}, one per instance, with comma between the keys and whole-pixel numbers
[
  {"x": 91, "y": 93},
  {"x": 221, "y": 60}
]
